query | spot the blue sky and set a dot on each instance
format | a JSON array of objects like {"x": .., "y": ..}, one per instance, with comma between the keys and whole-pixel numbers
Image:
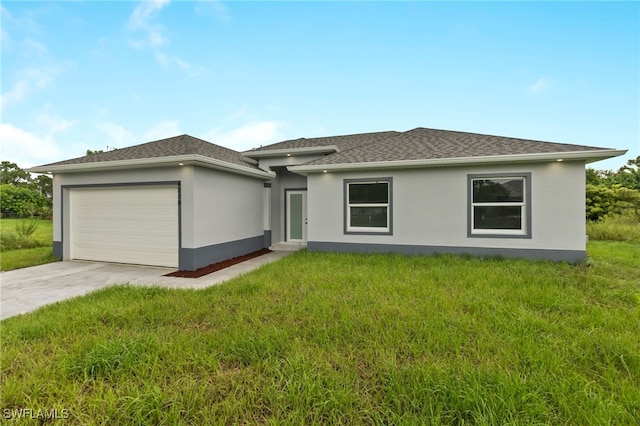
[{"x": 95, "y": 75}]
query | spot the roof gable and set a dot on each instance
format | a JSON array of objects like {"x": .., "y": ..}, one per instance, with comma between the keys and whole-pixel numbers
[
  {"x": 432, "y": 144},
  {"x": 169, "y": 147},
  {"x": 343, "y": 142}
]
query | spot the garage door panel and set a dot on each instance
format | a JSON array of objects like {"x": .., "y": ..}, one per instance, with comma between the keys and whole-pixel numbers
[{"x": 127, "y": 225}]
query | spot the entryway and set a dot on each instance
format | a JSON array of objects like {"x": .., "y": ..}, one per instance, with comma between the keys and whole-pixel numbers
[{"x": 296, "y": 216}]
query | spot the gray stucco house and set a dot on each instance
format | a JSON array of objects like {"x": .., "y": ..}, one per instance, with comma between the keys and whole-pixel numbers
[{"x": 183, "y": 202}]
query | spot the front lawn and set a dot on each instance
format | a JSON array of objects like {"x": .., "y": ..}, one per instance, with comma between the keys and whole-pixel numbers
[
  {"x": 39, "y": 251},
  {"x": 345, "y": 339}
]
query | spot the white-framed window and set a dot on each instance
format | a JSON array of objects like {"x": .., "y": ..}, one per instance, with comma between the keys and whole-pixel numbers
[
  {"x": 368, "y": 206},
  {"x": 500, "y": 205}
]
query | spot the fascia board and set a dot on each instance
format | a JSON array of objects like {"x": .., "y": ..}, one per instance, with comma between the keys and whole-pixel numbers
[
  {"x": 176, "y": 160},
  {"x": 587, "y": 156},
  {"x": 292, "y": 151}
]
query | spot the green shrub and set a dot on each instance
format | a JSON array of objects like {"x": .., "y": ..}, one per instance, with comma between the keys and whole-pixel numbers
[
  {"x": 26, "y": 228},
  {"x": 22, "y": 201}
]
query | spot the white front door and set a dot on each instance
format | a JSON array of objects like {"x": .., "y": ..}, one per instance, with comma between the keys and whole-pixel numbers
[{"x": 296, "y": 216}]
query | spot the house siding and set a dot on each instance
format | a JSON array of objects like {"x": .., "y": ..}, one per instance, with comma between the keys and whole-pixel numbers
[
  {"x": 227, "y": 217},
  {"x": 220, "y": 213},
  {"x": 430, "y": 210}
]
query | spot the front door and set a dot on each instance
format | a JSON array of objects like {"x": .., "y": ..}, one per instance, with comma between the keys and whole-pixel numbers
[{"x": 296, "y": 216}]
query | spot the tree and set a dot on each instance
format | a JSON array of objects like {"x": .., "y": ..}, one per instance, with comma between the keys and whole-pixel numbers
[
  {"x": 595, "y": 177},
  {"x": 22, "y": 201},
  {"x": 44, "y": 184},
  {"x": 91, "y": 152},
  {"x": 629, "y": 175},
  {"x": 11, "y": 174},
  {"x": 23, "y": 196},
  {"x": 613, "y": 193},
  {"x": 608, "y": 201}
]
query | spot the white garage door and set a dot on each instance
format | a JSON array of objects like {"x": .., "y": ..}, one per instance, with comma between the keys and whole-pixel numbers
[{"x": 125, "y": 224}]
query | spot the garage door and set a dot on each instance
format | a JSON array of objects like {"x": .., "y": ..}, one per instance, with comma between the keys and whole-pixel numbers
[{"x": 125, "y": 224}]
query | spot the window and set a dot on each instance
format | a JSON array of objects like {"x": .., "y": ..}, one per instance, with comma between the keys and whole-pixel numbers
[
  {"x": 500, "y": 206},
  {"x": 368, "y": 206}
]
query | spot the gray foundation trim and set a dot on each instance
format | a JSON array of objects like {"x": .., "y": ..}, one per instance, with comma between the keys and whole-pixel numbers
[
  {"x": 267, "y": 239},
  {"x": 194, "y": 258},
  {"x": 58, "y": 250},
  {"x": 572, "y": 256}
]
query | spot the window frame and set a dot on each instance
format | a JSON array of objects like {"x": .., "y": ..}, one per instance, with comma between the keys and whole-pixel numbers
[
  {"x": 525, "y": 204},
  {"x": 361, "y": 230}
]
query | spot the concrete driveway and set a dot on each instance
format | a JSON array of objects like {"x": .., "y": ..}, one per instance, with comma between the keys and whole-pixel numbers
[{"x": 25, "y": 290}]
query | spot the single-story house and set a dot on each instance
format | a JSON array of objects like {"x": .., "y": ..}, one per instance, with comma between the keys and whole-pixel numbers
[{"x": 183, "y": 202}]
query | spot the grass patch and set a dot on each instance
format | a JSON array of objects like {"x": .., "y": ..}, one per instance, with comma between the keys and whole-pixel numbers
[
  {"x": 43, "y": 233},
  {"x": 345, "y": 339},
  {"x": 19, "y": 250},
  {"x": 16, "y": 259},
  {"x": 615, "y": 228}
]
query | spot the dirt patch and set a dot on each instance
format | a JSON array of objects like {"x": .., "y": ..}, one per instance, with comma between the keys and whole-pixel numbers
[{"x": 201, "y": 272}]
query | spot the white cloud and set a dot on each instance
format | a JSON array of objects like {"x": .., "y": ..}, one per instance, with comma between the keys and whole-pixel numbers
[
  {"x": 247, "y": 136},
  {"x": 52, "y": 123},
  {"x": 5, "y": 40},
  {"x": 541, "y": 85},
  {"x": 30, "y": 81},
  {"x": 25, "y": 148},
  {"x": 34, "y": 46},
  {"x": 167, "y": 61},
  {"x": 119, "y": 137},
  {"x": 143, "y": 19},
  {"x": 162, "y": 130},
  {"x": 212, "y": 8}
]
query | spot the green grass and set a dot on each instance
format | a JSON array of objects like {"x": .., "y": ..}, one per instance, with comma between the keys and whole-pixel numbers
[
  {"x": 345, "y": 339},
  {"x": 615, "y": 228},
  {"x": 44, "y": 233},
  {"x": 41, "y": 251},
  {"x": 16, "y": 259}
]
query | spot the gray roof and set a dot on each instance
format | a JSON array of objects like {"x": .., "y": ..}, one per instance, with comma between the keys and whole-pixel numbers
[
  {"x": 424, "y": 144},
  {"x": 416, "y": 144},
  {"x": 342, "y": 142},
  {"x": 177, "y": 145}
]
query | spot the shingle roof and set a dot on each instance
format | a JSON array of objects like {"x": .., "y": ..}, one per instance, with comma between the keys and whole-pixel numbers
[
  {"x": 177, "y": 145},
  {"x": 342, "y": 142},
  {"x": 416, "y": 144},
  {"x": 424, "y": 144}
]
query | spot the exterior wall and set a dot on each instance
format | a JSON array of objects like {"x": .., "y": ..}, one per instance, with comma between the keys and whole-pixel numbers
[
  {"x": 227, "y": 217},
  {"x": 430, "y": 212},
  {"x": 284, "y": 180},
  {"x": 221, "y": 214}
]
